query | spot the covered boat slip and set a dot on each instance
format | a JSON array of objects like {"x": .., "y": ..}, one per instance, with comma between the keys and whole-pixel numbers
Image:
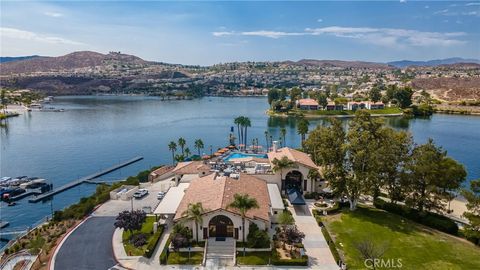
[
  {"x": 169, "y": 204},
  {"x": 295, "y": 197}
]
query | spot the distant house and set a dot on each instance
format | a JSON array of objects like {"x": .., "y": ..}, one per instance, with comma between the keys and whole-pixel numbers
[
  {"x": 375, "y": 105},
  {"x": 353, "y": 106},
  {"x": 331, "y": 106},
  {"x": 307, "y": 104}
]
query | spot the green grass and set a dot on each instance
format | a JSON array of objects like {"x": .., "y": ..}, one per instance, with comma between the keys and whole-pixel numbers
[
  {"x": 390, "y": 110},
  {"x": 254, "y": 258},
  {"x": 182, "y": 258},
  {"x": 419, "y": 247},
  {"x": 147, "y": 228}
]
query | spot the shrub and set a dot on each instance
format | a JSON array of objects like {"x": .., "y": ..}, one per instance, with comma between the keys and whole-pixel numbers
[
  {"x": 303, "y": 261},
  {"x": 429, "y": 219},
  {"x": 257, "y": 238},
  {"x": 164, "y": 254},
  {"x": 152, "y": 243},
  {"x": 138, "y": 239},
  {"x": 331, "y": 244}
]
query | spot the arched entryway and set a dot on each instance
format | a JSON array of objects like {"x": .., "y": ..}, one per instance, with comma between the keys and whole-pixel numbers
[
  {"x": 293, "y": 180},
  {"x": 220, "y": 226}
]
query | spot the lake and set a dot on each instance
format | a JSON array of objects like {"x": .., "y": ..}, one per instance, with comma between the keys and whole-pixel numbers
[{"x": 96, "y": 132}]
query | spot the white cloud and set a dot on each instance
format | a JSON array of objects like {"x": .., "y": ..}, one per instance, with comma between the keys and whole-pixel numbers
[
  {"x": 403, "y": 1},
  {"x": 391, "y": 37},
  {"x": 427, "y": 7},
  {"x": 473, "y": 4},
  {"x": 320, "y": 20},
  {"x": 13, "y": 33},
  {"x": 53, "y": 14}
]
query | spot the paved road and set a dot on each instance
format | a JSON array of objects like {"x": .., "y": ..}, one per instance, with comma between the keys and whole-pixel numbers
[{"x": 89, "y": 247}]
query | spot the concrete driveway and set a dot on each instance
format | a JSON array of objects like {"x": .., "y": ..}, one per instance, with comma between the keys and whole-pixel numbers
[{"x": 88, "y": 247}]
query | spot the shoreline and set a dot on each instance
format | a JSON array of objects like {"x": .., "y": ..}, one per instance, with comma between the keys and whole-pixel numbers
[{"x": 283, "y": 115}]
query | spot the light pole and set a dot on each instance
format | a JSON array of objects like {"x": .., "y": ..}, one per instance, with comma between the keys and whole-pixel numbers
[{"x": 131, "y": 201}]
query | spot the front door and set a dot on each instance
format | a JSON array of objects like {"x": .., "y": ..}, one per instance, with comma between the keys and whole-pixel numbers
[
  {"x": 220, "y": 226},
  {"x": 221, "y": 230}
]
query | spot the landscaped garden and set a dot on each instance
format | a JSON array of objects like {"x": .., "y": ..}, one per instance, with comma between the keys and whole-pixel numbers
[
  {"x": 394, "y": 237},
  {"x": 183, "y": 258},
  {"x": 136, "y": 242}
]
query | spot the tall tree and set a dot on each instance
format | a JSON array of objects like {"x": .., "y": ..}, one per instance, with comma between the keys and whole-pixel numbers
[
  {"x": 302, "y": 128},
  {"x": 238, "y": 121},
  {"x": 326, "y": 145},
  {"x": 472, "y": 230},
  {"x": 283, "y": 131},
  {"x": 187, "y": 152},
  {"x": 195, "y": 212},
  {"x": 243, "y": 203},
  {"x": 246, "y": 124},
  {"x": 375, "y": 94},
  {"x": 172, "y": 146},
  {"x": 199, "y": 145},
  {"x": 266, "y": 139},
  {"x": 181, "y": 143},
  {"x": 295, "y": 93},
  {"x": 431, "y": 174},
  {"x": 322, "y": 100},
  {"x": 273, "y": 95},
  {"x": 281, "y": 164},
  {"x": 403, "y": 96}
]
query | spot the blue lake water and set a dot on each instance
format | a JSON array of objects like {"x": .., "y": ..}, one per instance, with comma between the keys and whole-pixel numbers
[{"x": 97, "y": 132}]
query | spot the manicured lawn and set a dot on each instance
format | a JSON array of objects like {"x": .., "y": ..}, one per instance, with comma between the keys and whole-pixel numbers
[
  {"x": 147, "y": 228},
  {"x": 389, "y": 110},
  {"x": 182, "y": 258},
  {"x": 254, "y": 258},
  {"x": 418, "y": 247}
]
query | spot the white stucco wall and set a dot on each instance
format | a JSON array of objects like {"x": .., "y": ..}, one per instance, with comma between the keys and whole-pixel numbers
[
  {"x": 236, "y": 219},
  {"x": 276, "y": 178}
]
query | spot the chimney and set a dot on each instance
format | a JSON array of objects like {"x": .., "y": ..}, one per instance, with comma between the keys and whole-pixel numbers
[{"x": 274, "y": 146}]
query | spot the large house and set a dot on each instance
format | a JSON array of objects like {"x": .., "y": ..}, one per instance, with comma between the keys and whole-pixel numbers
[
  {"x": 214, "y": 184},
  {"x": 353, "y": 106}
]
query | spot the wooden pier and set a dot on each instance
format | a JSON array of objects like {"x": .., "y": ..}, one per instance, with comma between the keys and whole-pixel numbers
[{"x": 84, "y": 179}]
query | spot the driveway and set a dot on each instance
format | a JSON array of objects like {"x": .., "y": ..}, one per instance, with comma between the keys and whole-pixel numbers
[
  {"x": 316, "y": 246},
  {"x": 88, "y": 247}
]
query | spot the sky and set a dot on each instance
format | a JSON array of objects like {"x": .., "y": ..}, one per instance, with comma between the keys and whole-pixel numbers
[{"x": 205, "y": 33}]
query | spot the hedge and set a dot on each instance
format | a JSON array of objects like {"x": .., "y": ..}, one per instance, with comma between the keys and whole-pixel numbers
[
  {"x": 153, "y": 242},
  {"x": 331, "y": 244},
  {"x": 429, "y": 219},
  {"x": 164, "y": 254}
]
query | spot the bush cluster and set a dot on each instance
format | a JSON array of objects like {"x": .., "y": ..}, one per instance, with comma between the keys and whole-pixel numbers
[
  {"x": 257, "y": 238},
  {"x": 303, "y": 261},
  {"x": 152, "y": 243},
  {"x": 138, "y": 239},
  {"x": 429, "y": 219}
]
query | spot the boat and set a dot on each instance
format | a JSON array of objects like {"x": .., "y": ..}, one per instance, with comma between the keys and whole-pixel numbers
[
  {"x": 3, "y": 224},
  {"x": 12, "y": 204}
]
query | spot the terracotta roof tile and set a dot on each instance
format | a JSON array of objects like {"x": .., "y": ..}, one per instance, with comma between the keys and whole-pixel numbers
[{"x": 293, "y": 155}]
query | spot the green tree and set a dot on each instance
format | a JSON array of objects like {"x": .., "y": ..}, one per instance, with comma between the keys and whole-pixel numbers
[
  {"x": 195, "y": 212},
  {"x": 187, "y": 152},
  {"x": 266, "y": 139},
  {"x": 283, "y": 132},
  {"x": 302, "y": 128},
  {"x": 472, "y": 230},
  {"x": 273, "y": 95},
  {"x": 285, "y": 219},
  {"x": 199, "y": 145},
  {"x": 246, "y": 124},
  {"x": 375, "y": 94},
  {"x": 172, "y": 146},
  {"x": 239, "y": 121},
  {"x": 281, "y": 164},
  {"x": 404, "y": 96},
  {"x": 322, "y": 100},
  {"x": 326, "y": 145},
  {"x": 295, "y": 93},
  {"x": 283, "y": 94},
  {"x": 181, "y": 143},
  {"x": 431, "y": 176},
  {"x": 243, "y": 203}
]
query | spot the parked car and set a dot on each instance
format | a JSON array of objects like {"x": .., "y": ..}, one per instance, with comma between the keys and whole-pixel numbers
[
  {"x": 140, "y": 193},
  {"x": 160, "y": 195}
]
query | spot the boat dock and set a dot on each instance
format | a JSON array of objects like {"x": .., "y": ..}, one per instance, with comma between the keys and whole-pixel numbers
[{"x": 84, "y": 179}]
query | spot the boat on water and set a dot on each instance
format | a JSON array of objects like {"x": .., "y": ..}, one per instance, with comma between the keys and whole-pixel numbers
[
  {"x": 13, "y": 189},
  {"x": 3, "y": 224}
]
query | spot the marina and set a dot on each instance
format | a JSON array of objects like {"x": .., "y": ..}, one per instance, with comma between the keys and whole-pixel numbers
[{"x": 84, "y": 179}]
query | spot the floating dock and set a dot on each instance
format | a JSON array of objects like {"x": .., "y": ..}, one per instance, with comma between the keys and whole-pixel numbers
[{"x": 83, "y": 179}]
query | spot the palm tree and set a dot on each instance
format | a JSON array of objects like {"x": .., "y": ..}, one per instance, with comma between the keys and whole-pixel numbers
[
  {"x": 187, "y": 152},
  {"x": 199, "y": 145},
  {"x": 266, "y": 139},
  {"x": 246, "y": 124},
  {"x": 195, "y": 212},
  {"x": 172, "y": 146},
  {"x": 283, "y": 131},
  {"x": 279, "y": 165},
  {"x": 302, "y": 128},
  {"x": 238, "y": 122},
  {"x": 243, "y": 203},
  {"x": 181, "y": 143}
]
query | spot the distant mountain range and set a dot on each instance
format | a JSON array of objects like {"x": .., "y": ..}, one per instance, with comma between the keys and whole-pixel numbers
[
  {"x": 432, "y": 63},
  {"x": 85, "y": 58}
]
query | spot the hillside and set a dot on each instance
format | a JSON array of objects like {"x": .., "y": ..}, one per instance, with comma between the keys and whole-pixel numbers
[
  {"x": 72, "y": 61},
  {"x": 450, "y": 89},
  {"x": 342, "y": 64}
]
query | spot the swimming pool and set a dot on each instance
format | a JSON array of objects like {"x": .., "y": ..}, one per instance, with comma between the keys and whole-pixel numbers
[{"x": 243, "y": 155}]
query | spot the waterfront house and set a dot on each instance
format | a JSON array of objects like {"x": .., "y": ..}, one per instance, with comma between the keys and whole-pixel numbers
[
  {"x": 375, "y": 105},
  {"x": 331, "y": 106},
  {"x": 307, "y": 104},
  {"x": 354, "y": 105}
]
